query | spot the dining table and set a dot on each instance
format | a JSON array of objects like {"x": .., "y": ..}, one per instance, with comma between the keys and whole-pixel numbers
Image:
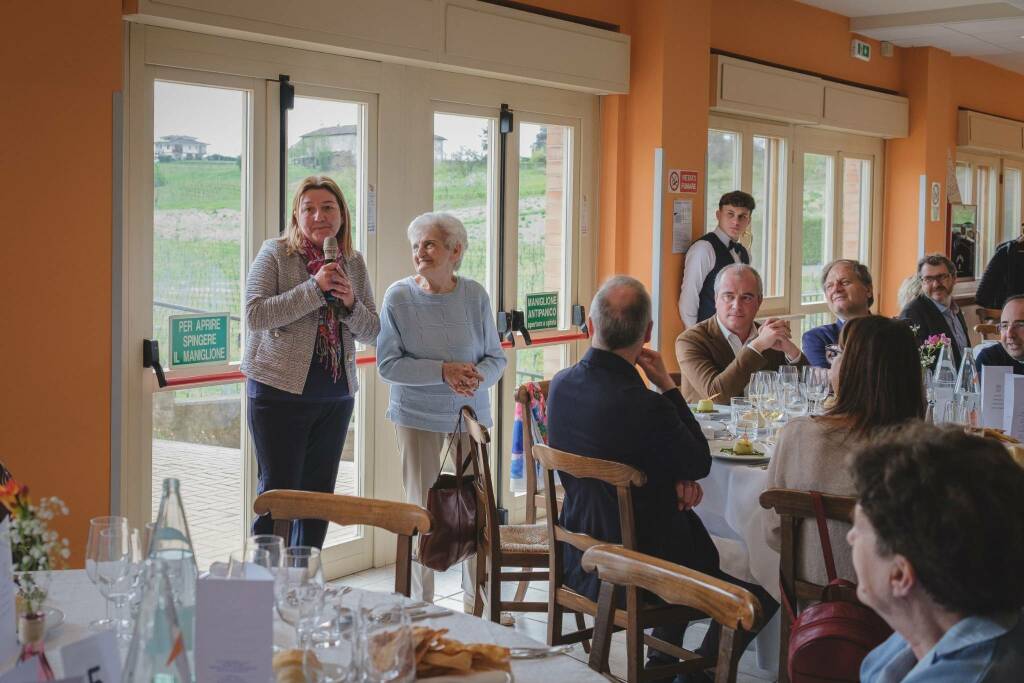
[
  {"x": 80, "y": 602},
  {"x": 731, "y": 512}
]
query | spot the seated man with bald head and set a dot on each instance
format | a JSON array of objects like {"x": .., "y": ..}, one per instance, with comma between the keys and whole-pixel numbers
[
  {"x": 1009, "y": 351},
  {"x": 718, "y": 356},
  {"x": 601, "y": 408}
]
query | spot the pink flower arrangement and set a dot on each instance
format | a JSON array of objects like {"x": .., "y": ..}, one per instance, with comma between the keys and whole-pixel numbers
[{"x": 930, "y": 349}]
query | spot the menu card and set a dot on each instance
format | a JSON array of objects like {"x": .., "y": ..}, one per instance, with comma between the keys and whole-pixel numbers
[
  {"x": 95, "y": 657},
  {"x": 993, "y": 378},
  {"x": 234, "y": 629},
  {"x": 1013, "y": 406}
]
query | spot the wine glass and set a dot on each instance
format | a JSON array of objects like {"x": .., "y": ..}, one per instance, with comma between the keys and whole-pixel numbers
[
  {"x": 789, "y": 376},
  {"x": 795, "y": 401},
  {"x": 299, "y": 589},
  {"x": 124, "y": 589},
  {"x": 274, "y": 545},
  {"x": 251, "y": 563},
  {"x": 772, "y": 409},
  {"x": 817, "y": 382},
  {"x": 107, "y": 554}
]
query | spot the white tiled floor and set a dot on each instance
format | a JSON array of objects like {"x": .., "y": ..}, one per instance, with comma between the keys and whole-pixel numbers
[{"x": 448, "y": 589}]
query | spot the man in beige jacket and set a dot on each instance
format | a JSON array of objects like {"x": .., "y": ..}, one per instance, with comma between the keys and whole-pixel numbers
[{"x": 719, "y": 355}]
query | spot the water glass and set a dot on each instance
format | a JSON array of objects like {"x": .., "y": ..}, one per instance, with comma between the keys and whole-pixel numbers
[
  {"x": 252, "y": 563},
  {"x": 332, "y": 647},
  {"x": 795, "y": 401},
  {"x": 274, "y": 545},
  {"x": 299, "y": 589},
  {"x": 386, "y": 643},
  {"x": 744, "y": 419},
  {"x": 106, "y": 559}
]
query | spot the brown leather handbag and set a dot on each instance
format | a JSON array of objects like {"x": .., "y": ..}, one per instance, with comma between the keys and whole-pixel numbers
[
  {"x": 828, "y": 641},
  {"x": 451, "y": 502}
]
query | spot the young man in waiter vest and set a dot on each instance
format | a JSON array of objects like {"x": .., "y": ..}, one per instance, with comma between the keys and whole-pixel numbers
[{"x": 711, "y": 253}]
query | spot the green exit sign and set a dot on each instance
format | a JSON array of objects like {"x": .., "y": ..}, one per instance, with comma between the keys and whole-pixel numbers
[
  {"x": 542, "y": 311},
  {"x": 860, "y": 50},
  {"x": 199, "y": 339}
]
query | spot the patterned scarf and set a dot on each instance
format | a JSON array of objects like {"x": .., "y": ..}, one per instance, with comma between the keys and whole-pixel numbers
[{"x": 328, "y": 334}]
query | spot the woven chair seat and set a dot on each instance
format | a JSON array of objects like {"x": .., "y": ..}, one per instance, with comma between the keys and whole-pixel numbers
[{"x": 524, "y": 538}]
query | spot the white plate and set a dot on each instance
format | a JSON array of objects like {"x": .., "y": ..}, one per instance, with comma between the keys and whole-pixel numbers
[
  {"x": 716, "y": 452},
  {"x": 719, "y": 413}
]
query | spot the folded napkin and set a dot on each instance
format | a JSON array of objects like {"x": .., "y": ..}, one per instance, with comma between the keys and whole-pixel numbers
[{"x": 473, "y": 677}]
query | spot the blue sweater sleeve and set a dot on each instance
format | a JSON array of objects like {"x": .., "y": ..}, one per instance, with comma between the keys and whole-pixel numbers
[{"x": 814, "y": 342}]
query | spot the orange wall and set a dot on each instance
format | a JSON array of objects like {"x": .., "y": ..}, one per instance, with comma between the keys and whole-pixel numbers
[
  {"x": 983, "y": 87},
  {"x": 55, "y": 180},
  {"x": 800, "y": 37}
]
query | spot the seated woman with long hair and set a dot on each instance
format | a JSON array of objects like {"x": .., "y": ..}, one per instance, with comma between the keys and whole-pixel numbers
[{"x": 876, "y": 377}]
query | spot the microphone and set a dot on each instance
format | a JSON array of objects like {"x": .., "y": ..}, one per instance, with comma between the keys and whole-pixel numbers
[{"x": 330, "y": 256}]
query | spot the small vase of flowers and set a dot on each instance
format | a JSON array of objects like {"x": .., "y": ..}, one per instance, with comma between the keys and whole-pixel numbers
[{"x": 931, "y": 348}]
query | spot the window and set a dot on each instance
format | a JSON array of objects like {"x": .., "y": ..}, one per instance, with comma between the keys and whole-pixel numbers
[
  {"x": 752, "y": 156},
  {"x": 978, "y": 180},
  {"x": 1012, "y": 196}
]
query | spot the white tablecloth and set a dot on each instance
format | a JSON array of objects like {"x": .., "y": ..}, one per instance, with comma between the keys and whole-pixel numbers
[
  {"x": 73, "y": 593},
  {"x": 732, "y": 515}
]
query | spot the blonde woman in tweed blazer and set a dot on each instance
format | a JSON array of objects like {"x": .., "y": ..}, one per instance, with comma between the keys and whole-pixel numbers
[{"x": 303, "y": 317}]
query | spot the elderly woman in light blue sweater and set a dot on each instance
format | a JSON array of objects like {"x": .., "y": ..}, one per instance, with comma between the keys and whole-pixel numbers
[{"x": 439, "y": 350}]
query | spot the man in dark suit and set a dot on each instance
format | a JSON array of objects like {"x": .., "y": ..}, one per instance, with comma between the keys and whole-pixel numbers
[
  {"x": 934, "y": 311},
  {"x": 1009, "y": 352},
  {"x": 601, "y": 408},
  {"x": 848, "y": 294}
]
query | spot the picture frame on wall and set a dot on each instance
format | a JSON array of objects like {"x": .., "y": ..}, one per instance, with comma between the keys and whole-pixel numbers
[{"x": 963, "y": 227}]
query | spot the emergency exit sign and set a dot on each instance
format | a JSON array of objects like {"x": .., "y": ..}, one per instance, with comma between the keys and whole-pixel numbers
[
  {"x": 199, "y": 339},
  {"x": 860, "y": 50},
  {"x": 542, "y": 311}
]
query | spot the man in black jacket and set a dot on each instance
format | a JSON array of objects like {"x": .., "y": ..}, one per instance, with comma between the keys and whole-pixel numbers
[
  {"x": 934, "y": 311},
  {"x": 601, "y": 408},
  {"x": 1004, "y": 276}
]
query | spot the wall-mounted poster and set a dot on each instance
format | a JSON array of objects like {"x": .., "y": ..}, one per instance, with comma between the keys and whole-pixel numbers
[{"x": 964, "y": 228}]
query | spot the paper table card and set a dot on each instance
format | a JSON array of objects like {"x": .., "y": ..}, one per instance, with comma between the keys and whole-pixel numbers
[
  {"x": 94, "y": 658},
  {"x": 29, "y": 671},
  {"x": 234, "y": 630},
  {"x": 8, "y": 626},
  {"x": 1013, "y": 406},
  {"x": 993, "y": 378}
]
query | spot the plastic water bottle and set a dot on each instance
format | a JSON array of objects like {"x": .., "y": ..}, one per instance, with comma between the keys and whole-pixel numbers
[
  {"x": 171, "y": 546},
  {"x": 157, "y": 653}
]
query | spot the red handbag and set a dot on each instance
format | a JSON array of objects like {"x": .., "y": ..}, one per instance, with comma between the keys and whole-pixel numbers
[
  {"x": 829, "y": 640},
  {"x": 451, "y": 502}
]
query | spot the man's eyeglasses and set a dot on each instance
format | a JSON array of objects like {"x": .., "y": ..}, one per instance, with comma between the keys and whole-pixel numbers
[
  {"x": 832, "y": 352},
  {"x": 1016, "y": 326},
  {"x": 935, "y": 279}
]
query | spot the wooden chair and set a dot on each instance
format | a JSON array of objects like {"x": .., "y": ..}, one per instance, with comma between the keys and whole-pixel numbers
[
  {"x": 562, "y": 600},
  {"x": 404, "y": 519},
  {"x": 534, "y": 500},
  {"x": 987, "y": 315},
  {"x": 735, "y": 608},
  {"x": 677, "y": 377},
  {"x": 500, "y": 546},
  {"x": 987, "y": 330},
  {"x": 794, "y": 507}
]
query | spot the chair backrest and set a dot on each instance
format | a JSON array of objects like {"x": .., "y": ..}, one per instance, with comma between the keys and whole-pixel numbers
[
  {"x": 987, "y": 330},
  {"x": 676, "y": 377},
  {"x": 529, "y": 467},
  {"x": 404, "y": 519},
  {"x": 989, "y": 314},
  {"x": 621, "y": 476},
  {"x": 726, "y": 603},
  {"x": 480, "y": 439},
  {"x": 793, "y": 507}
]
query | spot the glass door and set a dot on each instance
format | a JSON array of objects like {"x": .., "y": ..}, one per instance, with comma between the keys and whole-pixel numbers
[
  {"x": 332, "y": 132},
  {"x": 204, "y": 230},
  {"x": 836, "y": 187}
]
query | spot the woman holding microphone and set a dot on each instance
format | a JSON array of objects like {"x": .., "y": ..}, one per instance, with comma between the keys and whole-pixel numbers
[{"x": 304, "y": 315}]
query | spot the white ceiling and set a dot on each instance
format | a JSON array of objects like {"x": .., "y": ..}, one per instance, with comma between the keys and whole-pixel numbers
[{"x": 990, "y": 31}]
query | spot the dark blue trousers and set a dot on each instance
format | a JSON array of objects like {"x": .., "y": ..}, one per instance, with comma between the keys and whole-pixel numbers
[{"x": 298, "y": 446}]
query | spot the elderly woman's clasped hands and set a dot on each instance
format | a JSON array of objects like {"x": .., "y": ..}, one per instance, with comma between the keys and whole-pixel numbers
[{"x": 463, "y": 378}]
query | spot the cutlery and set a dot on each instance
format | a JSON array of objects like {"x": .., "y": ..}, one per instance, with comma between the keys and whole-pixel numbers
[{"x": 538, "y": 652}]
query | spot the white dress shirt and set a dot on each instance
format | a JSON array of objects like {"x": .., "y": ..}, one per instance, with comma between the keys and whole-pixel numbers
[{"x": 700, "y": 260}]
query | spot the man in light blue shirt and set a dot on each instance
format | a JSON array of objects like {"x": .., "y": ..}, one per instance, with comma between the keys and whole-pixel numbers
[{"x": 938, "y": 554}]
